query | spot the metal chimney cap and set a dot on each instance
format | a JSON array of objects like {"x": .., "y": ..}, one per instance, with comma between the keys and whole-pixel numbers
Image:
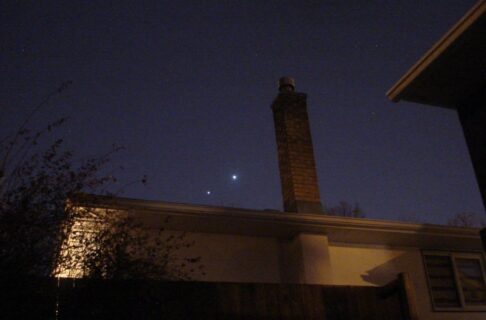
[{"x": 286, "y": 84}]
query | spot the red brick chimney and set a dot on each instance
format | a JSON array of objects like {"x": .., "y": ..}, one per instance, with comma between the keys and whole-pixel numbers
[{"x": 295, "y": 153}]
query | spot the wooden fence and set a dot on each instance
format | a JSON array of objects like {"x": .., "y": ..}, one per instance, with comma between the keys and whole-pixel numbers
[{"x": 88, "y": 299}]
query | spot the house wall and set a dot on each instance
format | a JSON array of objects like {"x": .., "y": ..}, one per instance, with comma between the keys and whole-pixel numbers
[
  {"x": 235, "y": 258},
  {"x": 310, "y": 258},
  {"x": 378, "y": 265}
]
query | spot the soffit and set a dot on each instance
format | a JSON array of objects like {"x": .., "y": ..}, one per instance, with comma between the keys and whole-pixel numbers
[{"x": 453, "y": 69}]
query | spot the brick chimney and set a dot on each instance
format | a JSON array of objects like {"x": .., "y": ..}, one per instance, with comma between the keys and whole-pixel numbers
[{"x": 298, "y": 175}]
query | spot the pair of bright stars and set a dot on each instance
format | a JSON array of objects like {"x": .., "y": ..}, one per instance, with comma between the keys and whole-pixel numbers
[{"x": 234, "y": 177}]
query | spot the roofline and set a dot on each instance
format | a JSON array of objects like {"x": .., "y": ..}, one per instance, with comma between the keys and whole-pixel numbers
[
  {"x": 277, "y": 217},
  {"x": 440, "y": 46}
]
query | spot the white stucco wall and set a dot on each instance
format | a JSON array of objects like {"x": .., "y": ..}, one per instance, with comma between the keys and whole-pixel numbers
[
  {"x": 371, "y": 265},
  {"x": 376, "y": 265},
  {"x": 267, "y": 247},
  {"x": 235, "y": 258}
]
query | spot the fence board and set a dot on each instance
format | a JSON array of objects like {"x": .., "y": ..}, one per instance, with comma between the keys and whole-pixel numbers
[{"x": 90, "y": 299}]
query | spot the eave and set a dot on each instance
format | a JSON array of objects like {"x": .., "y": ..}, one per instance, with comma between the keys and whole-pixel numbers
[
  {"x": 265, "y": 223},
  {"x": 453, "y": 69}
]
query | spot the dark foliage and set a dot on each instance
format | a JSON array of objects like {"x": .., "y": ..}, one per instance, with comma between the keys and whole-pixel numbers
[
  {"x": 110, "y": 244},
  {"x": 344, "y": 209},
  {"x": 466, "y": 220},
  {"x": 41, "y": 187}
]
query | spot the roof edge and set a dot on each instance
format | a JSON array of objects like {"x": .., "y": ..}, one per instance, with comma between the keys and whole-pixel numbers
[
  {"x": 266, "y": 216},
  {"x": 394, "y": 93}
]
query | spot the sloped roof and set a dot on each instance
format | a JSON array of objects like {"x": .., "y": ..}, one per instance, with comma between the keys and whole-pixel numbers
[{"x": 453, "y": 69}]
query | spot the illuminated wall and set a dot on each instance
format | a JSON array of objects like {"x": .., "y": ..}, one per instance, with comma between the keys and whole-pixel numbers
[{"x": 311, "y": 258}]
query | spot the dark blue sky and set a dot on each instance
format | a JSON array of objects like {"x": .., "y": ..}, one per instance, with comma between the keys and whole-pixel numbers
[{"x": 186, "y": 87}]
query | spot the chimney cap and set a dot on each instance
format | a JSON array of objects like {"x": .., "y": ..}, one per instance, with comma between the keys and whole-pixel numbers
[{"x": 286, "y": 84}]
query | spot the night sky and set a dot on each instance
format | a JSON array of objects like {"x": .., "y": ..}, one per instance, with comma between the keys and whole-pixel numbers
[{"x": 186, "y": 88}]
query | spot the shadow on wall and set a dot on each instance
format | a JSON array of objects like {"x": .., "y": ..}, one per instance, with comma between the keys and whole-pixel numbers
[{"x": 409, "y": 262}]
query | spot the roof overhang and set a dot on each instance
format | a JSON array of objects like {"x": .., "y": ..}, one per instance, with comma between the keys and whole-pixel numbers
[
  {"x": 266, "y": 223},
  {"x": 453, "y": 69}
]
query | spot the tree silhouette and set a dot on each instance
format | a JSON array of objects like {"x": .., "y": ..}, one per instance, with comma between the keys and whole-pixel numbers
[
  {"x": 466, "y": 220},
  {"x": 45, "y": 230},
  {"x": 344, "y": 209}
]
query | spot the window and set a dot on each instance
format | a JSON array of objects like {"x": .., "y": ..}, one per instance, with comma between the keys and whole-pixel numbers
[{"x": 456, "y": 280}]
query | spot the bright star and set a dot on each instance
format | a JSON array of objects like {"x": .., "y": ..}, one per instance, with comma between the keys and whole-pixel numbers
[
  {"x": 234, "y": 177},
  {"x": 208, "y": 192}
]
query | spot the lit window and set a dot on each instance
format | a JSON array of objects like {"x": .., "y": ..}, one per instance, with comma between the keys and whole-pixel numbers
[{"x": 456, "y": 280}]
